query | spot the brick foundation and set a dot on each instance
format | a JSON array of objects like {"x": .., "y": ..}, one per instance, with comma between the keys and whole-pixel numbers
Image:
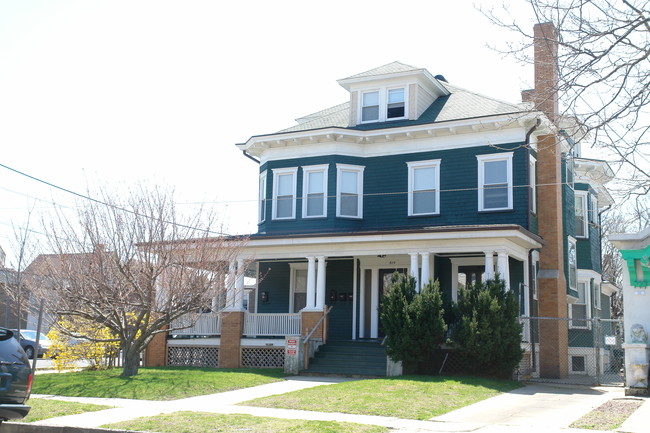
[{"x": 232, "y": 327}]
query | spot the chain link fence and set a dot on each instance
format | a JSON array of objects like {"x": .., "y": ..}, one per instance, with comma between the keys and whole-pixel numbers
[{"x": 595, "y": 355}]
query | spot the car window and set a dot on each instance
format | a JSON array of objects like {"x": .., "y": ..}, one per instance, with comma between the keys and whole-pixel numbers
[{"x": 5, "y": 334}]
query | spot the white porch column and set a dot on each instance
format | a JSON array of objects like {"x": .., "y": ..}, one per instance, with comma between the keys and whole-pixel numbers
[
  {"x": 239, "y": 286},
  {"x": 230, "y": 284},
  {"x": 504, "y": 267},
  {"x": 374, "y": 304},
  {"x": 426, "y": 271},
  {"x": 489, "y": 265},
  {"x": 320, "y": 284},
  {"x": 311, "y": 283},
  {"x": 414, "y": 270}
]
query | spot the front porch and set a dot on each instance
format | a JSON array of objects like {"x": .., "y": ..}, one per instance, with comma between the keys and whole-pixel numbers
[{"x": 297, "y": 277}]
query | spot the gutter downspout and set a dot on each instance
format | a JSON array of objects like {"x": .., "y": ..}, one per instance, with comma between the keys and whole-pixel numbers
[
  {"x": 250, "y": 157},
  {"x": 600, "y": 235}
]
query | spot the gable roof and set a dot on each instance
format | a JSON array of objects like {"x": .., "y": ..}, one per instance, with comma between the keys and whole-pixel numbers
[{"x": 459, "y": 104}]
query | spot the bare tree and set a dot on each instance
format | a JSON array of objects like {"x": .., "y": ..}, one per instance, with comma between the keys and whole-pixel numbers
[
  {"x": 135, "y": 267},
  {"x": 604, "y": 74}
]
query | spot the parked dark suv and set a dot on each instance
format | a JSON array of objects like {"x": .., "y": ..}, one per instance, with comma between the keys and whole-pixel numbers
[{"x": 15, "y": 377}]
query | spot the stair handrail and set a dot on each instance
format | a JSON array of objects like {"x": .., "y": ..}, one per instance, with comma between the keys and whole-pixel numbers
[{"x": 305, "y": 348}]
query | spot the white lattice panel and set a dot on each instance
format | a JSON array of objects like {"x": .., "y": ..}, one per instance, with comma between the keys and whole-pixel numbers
[
  {"x": 193, "y": 356},
  {"x": 262, "y": 357}
]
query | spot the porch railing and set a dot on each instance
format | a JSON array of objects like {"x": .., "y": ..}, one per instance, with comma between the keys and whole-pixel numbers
[
  {"x": 197, "y": 324},
  {"x": 271, "y": 324}
]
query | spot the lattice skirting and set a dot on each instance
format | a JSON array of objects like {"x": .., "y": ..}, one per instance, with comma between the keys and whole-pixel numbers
[
  {"x": 193, "y": 356},
  {"x": 262, "y": 357}
]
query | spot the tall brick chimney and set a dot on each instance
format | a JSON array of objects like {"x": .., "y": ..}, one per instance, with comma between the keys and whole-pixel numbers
[{"x": 554, "y": 355}]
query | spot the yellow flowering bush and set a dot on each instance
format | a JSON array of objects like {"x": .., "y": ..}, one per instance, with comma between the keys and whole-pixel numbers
[{"x": 66, "y": 351}]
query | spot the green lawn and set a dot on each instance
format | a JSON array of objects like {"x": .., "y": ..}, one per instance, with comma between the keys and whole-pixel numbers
[
  {"x": 197, "y": 422},
  {"x": 46, "y": 408},
  {"x": 411, "y": 397},
  {"x": 163, "y": 383}
]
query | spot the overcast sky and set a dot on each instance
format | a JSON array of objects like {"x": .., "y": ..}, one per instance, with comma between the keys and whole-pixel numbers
[{"x": 113, "y": 92}]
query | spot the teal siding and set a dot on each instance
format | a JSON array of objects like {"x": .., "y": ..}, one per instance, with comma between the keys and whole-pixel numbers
[
  {"x": 385, "y": 192},
  {"x": 339, "y": 280},
  {"x": 274, "y": 279}
]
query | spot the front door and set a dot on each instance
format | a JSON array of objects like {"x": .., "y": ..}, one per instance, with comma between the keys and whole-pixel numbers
[{"x": 469, "y": 275}]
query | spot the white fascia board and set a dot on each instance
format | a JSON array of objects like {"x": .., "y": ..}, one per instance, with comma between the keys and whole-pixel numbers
[
  {"x": 179, "y": 342},
  {"x": 259, "y": 143},
  {"x": 403, "y": 243},
  {"x": 587, "y": 274},
  {"x": 631, "y": 241}
]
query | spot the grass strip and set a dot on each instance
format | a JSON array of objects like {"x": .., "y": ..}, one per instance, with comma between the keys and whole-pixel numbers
[
  {"x": 198, "y": 422},
  {"x": 162, "y": 383},
  {"x": 47, "y": 408},
  {"x": 410, "y": 397},
  {"x": 608, "y": 416}
]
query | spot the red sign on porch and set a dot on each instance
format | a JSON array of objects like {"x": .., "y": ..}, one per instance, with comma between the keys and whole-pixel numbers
[
  {"x": 291, "y": 351},
  {"x": 292, "y": 344}
]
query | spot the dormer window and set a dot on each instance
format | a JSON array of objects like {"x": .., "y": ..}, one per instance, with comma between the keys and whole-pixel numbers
[
  {"x": 395, "y": 108},
  {"x": 370, "y": 107},
  {"x": 383, "y": 104}
]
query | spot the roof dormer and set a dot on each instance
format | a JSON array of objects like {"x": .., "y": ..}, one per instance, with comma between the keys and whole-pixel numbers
[{"x": 395, "y": 91}]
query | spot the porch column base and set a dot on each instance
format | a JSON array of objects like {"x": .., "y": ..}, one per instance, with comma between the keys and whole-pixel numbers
[
  {"x": 156, "y": 353},
  {"x": 232, "y": 327}
]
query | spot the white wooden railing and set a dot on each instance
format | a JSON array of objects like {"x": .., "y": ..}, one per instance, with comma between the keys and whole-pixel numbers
[
  {"x": 203, "y": 324},
  {"x": 271, "y": 324}
]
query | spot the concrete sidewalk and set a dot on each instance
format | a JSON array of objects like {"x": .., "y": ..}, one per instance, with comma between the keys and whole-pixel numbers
[{"x": 531, "y": 409}]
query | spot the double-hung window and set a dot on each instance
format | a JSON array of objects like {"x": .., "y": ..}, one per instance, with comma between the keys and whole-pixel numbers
[
  {"x": 424, "y": 187},
  {"x": 349, "y": 191},
  {"x": 573, "y": 263},
  {"x": 593, "y": 215},
  {"x": 495, "y": 181},
  {"x": 382, "y": 104},
  {"x": 370, "y": 106},
  {"x": 579, "y": 311},
  {"x": 262, "y": 198},
  {"x": 314, "y": 191},
  {"x": 284, "y": 193},
  {"x": 395, "y": 104},
  {"x": 582, "y": 230}
]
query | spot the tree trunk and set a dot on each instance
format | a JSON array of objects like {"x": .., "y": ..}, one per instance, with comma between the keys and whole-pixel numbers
[{"x": 131, "y": 362}]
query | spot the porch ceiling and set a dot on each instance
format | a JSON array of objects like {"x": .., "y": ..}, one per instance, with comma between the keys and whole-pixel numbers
[{"x": 457, "y": 239}]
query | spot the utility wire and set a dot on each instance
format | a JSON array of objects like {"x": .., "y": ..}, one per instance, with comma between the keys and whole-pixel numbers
[{"x": 94, "y": 200}]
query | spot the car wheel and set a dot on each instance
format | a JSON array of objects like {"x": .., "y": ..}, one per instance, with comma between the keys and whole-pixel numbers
[{"x": 29, "y": 351}]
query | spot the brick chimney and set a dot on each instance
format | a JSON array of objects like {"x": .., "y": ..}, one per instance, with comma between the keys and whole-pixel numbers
[{"x": 554, "y": 355}]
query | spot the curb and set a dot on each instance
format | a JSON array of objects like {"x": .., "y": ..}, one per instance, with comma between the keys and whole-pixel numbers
[{"x": 10, "y": 427}]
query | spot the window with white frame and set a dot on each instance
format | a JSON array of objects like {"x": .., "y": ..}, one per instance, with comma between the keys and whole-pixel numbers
[
  {"x": 579, "y": 311},
  {"x": 395, "y": 104},
  {"x": 495, "y": 181},
  {"x": 370, "y": 106},
  {"x": 262, "y": 197},
  {"x": 382, "y": 104},
  {"x": 349, "y": 191},
  {"x": 532, "y": 184},
  {"x": 314, "y": 191},
  {"x": 570, "y": 168},
  {"x": 284, "y": 193},
  {"x": 582, "y": 230},
  {"x": 424, "y": 189},
  {"x": 596, "y": 293},
  {"x": 593, "y": 215},
  {"x": 573, "y": 263}
]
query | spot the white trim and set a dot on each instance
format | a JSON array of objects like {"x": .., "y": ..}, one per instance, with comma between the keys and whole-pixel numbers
[
  {"x": 456, "y": 262},
  {"x": 306, "y": 170},
  {"x": 412, "y": 167},
  {"x": 536, "y": 263},
  {"x": 586, "y": 303},
  {"x": 358, "y": 169},
  {"x": 593, "y": 214},
  {"x": 277, "y": 172},
  {"x": 532, "y": 183},
  {"x": 494, "y": 157},
  {"x": 572, "y": 242},
  {"x": 382, "y": 101},
  {"x": 585, "y": 211},
  {"x": 292, "y": 281},
  {"x": 355, "y": 295},
  {"x": 261, "y": 199}
]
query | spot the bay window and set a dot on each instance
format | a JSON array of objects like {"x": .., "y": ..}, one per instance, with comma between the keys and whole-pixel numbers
[
  {"x": 284, "y": 193},
  {"x": 423, "y": 187},
  {"x": 314, "y": 191},
  {"x": 349, "y": 191},
  {"x": 495, "y": 181}
]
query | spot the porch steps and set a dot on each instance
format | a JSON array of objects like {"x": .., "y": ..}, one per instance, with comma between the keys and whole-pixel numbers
[{"x": 349, "y": 358}]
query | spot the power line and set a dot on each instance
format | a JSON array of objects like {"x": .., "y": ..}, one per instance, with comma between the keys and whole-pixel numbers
[{"x": 94, "y": 200}]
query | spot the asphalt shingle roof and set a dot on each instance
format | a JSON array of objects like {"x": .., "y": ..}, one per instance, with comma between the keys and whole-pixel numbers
[
  {"x": 390, "y": 68},
  {"x": 459, "y": 104}
]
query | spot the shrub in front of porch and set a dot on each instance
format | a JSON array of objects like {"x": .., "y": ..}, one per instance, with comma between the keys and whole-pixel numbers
[
  {"x": 487, "y": 331},
  {"x": 412, "y": 322}
]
